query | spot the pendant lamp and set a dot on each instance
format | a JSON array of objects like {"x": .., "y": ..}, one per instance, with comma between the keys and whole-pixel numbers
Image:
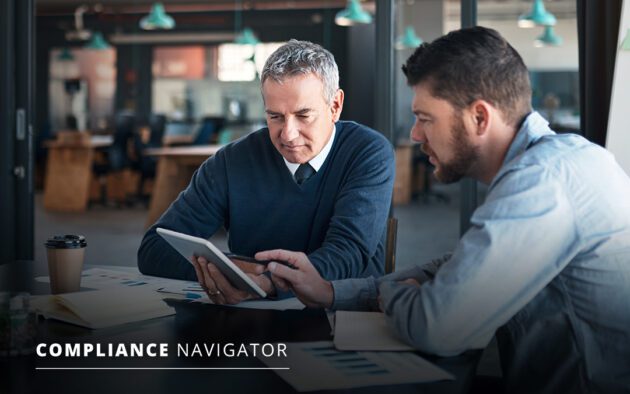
[
  {"x": 97, "y": 42},
  {"x": 157, "y": 19},
  {"x": 352, "y": 14},
  {"x": 409, "y": 39},
  {"x": 538, "y": 16}
]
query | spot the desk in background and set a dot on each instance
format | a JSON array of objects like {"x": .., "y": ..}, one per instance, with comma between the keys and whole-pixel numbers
[
  {"x": 175, "y": 168},
  {"x": 69, "y": 171},
  {"x": 176, "y": 139}
]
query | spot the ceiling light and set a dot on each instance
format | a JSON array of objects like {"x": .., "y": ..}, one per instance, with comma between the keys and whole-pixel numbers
[
  {"x": 409, "y": 39},
  {"x": 157, "y": 19},
  {"x": 538, "y": 16},
  {"x": 352, "y": 14},
  {"x": 97, "y": 42},
  {"x": 79, "y": 33},
  {"x": 548, "y": 38},
  {"x": 65, "y": 55},
  {"x": 247, "y": 37}
]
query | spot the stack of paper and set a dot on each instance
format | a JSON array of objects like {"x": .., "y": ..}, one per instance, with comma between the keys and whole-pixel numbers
[
  {"x": 104, "y": 308},
  {"x": 124, "y": 295},
  {"x": 277, "y": 305},
  {"x": 365, "y": 331},
  {"x": 121, "y": 277},
  {"x": 319, "y": 366}
]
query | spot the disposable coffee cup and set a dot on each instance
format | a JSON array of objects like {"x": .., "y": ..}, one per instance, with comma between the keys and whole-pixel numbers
[{"x": 65, "y": 262}]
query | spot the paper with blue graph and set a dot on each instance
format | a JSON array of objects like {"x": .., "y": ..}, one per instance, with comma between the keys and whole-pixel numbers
[
  {"x": 121, "y": 277},
  {"x": 319, "y": 366}
]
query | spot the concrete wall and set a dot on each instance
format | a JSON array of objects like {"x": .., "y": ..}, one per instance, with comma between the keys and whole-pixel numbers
[
  {"x": 564, "y": 57},
  {"x": 357, "y": 78},
  {"x": 427, "y": 17}
]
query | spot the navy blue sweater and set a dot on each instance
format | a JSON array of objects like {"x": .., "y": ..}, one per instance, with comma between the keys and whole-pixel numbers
[{"x": 337, "y": 217}]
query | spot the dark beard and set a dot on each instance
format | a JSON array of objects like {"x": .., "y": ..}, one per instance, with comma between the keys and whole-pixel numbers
[{"x": 466, "y": 154}]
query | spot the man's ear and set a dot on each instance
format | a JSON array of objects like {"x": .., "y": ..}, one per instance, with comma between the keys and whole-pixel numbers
[
  {"x": 481, "y": 114},
  {"x": 337, "y": 105}
]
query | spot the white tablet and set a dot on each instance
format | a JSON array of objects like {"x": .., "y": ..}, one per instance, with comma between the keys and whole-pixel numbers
[{"x": 189, "y": 246}]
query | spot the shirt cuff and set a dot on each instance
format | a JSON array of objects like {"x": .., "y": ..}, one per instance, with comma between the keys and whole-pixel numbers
[{"x": 355, "y": 294}]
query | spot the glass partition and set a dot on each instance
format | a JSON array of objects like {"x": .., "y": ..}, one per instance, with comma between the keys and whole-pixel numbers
[
  {"x": 550, "y": 53},
  {"x": 428, "y": 212}
]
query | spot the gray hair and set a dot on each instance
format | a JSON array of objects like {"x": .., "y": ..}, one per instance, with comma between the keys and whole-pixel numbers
[{"x": 301, "y": 58}]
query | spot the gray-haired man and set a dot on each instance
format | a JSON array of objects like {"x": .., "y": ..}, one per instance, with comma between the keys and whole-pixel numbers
[{"x": 307, "y": 182}]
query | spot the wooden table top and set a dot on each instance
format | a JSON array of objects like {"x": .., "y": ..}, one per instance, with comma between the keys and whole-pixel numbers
[
  {"x": 190, "y": 151},
  {"x": 177, "y": 139},
  {"x": 95, "y": 141}
]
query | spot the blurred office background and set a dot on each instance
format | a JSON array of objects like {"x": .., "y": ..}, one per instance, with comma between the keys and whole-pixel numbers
[{"x": 195, "y": 81}]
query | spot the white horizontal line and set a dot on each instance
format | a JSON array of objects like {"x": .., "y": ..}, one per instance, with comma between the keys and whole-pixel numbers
[{"x": 157, "y": 368}]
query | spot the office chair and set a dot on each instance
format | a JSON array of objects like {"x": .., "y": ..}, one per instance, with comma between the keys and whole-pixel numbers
[
  {"x": 146, "y": 165},
  {"x": 117, "y": 154},
  {"x": 118, "y": 157},
  {"x": 390, "y": 245},
  {"x": 209, "y": 131},
  {"x": 157, "y": 125}
]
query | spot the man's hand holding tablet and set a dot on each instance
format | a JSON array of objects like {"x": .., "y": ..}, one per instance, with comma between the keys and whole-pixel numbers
[
  {"x": 227, "y": 278},
  {"x": 219, "y": 288}
]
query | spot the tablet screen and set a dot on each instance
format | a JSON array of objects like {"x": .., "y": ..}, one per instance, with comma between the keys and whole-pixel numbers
[{"x": 189, "y": 246}]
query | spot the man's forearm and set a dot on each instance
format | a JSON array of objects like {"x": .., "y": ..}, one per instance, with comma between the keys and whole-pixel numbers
[
  {"x": 157, "y": 258},
  {"x": 355, "y": 294},
  {"x": 362, "y": 293}
]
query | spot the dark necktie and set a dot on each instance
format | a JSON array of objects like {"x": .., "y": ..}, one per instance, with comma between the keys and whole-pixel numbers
[{"x": 303, "y": 172}]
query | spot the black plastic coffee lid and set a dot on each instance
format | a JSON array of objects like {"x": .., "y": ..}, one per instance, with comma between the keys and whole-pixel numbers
[{"x": 66, "y": 242}]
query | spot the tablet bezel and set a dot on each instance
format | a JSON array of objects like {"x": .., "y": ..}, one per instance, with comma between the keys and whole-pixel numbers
[{"x": 188, "y": 246}]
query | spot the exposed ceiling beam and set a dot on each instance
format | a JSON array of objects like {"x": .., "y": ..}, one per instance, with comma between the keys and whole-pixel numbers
[
  {"x": 63, "y": 7},
  {"x": 171, "y": 38}
]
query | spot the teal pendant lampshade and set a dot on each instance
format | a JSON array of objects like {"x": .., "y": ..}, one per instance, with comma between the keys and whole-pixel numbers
[
  {"x": 538, "y": 16},
  {"x": 625, "y": 44},
  {"x": 97, "y": 42},
  {"x": 548, "y": 38},
  {"x": 157, "y": 19},
  {"x": 246, "y": 37},
  {"x": 409, "y": 39},
  {"x": 352, "y": 14},
  {"x": 65, "y": 55}
]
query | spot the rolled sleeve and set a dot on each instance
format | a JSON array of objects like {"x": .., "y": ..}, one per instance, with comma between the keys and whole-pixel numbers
[{"x": 355, "y": 294}]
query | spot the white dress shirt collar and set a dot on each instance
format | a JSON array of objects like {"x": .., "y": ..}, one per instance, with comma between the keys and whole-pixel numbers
[{"x": 317, "y": 161}]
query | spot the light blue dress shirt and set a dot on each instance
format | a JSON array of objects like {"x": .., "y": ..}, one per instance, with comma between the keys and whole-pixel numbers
[{"x": 545, "y": 265}]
